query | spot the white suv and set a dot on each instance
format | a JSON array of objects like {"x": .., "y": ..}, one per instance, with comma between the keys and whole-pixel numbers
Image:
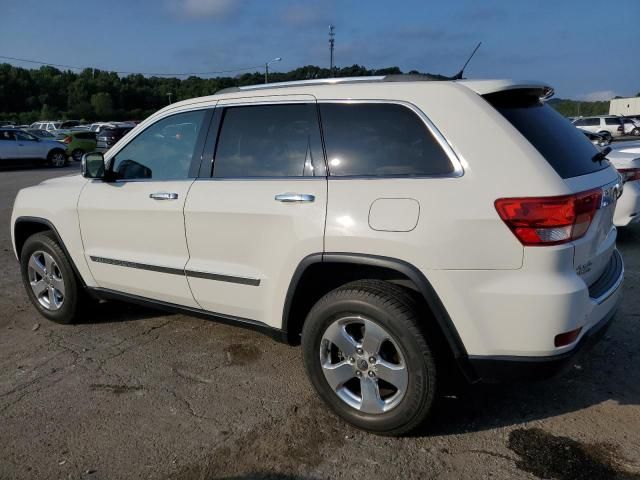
[
  {"x": 356, "y": 216},
  {"x": 611, "y": 126}
]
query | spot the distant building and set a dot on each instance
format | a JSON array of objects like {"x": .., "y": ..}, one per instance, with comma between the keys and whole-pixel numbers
[{"x": 625, "y": 106}]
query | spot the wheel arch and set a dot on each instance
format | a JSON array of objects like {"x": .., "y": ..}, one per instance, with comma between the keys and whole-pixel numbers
[
  {"x": 24, "y": 227},
  {"x": 318, "y": 274}
]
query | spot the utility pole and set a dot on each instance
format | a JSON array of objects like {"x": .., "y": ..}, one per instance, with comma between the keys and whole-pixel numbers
[{"x": 331, "y": 43}]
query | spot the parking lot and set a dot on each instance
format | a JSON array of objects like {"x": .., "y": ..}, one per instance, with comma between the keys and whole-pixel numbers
[{"x": 135, "y": 393}]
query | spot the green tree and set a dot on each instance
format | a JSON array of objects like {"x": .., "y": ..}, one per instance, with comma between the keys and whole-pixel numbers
[{"x": 102, "y": 104}]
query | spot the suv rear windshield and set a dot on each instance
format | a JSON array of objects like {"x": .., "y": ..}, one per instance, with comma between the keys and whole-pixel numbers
[{"x": 565, "y": 147}]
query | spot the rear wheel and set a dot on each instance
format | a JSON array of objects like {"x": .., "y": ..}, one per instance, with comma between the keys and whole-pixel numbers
[
  {"x": 58, "y": 158},
  {"x": 606, "y": 134},
  {"x": 368, "y": 358},
  {"x": 77, "y": 154},
  {"x": 49, "y": 279},
  {"x": 636, "y": 131}
]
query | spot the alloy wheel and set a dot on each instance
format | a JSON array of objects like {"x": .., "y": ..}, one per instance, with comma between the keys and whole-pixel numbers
[
  {"x": 46, "y": 281},
  {"x": 363, "y": 364}
]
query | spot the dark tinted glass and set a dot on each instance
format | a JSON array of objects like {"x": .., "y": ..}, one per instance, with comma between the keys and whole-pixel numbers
[
  {"x": 163, "y": 151},
  {"x": 269, "y": 141},
  {"x": 612, "y": 121},
  {"x": 565, "y": 147},
  {"x": 378, "y": 139},
  {"x": 86, "y": 135},
  {"x": 7, "y": 135},
  {"x": 581, "y": 122},
  {"x": 592, "y": 122}
]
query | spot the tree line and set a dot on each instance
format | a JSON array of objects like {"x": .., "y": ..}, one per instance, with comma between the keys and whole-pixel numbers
[{"x": 47, "y": 93}]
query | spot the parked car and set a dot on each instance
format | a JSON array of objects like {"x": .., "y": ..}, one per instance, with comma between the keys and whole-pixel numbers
[
  {"x": 40, "y": 133},
  {"x": 604, "y": 125},
  {"x": 46, "y": 125},
  {"x": 109, "y": 135},
  {"x": 96, "y": 127},
  {"x": 392, "y": 246},
  {"x": 18, "y": 147},
  {"x": 631, "y": 126},
  {"x": 78, "y": 143},
  {"x": 626, "y": 159},
  {"x": 597, "y": 138},
  {"x": 69, "y": 124}
]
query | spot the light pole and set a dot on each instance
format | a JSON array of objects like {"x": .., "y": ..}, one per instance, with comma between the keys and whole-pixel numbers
[
  {"x": 169, "y": 95},
  {"x": 266, "y": 68}
]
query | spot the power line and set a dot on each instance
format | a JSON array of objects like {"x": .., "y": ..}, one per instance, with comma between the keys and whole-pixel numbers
[{"x": 157, "y": 74}]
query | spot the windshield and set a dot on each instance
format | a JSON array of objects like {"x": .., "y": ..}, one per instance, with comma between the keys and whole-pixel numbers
[{"x": 565, "y": 147}]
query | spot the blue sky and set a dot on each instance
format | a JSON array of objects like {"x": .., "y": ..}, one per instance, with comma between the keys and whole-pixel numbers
[{"x": 587, "y": 49}]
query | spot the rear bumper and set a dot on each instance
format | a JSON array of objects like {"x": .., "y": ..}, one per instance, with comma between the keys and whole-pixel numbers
[{"x": 512, "y": 368}]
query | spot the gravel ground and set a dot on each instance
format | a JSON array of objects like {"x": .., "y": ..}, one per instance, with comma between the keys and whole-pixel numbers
[{"x": 134, "y": 393}]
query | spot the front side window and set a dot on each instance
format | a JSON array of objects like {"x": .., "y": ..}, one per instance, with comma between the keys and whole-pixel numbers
[
  {"x": 269, "y": 141},
  {"x": 25, "y": 136},
  {"x": 377, "y": 139},
  {"x": 7, "y": 135},
  {"x": 163, "y": 151}
]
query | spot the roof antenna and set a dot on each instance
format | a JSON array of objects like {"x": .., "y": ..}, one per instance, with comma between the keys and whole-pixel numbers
[{"x": 458, "y": 76}]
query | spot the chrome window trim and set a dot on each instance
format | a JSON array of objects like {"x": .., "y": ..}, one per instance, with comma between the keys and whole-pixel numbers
[{"x": 458, "y": 169}]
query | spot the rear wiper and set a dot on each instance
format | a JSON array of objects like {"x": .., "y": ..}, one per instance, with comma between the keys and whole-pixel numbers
[{"x": 601, "y": 155}]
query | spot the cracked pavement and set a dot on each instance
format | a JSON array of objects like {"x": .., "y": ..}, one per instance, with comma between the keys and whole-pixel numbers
[{"x": 136, "y": 393}]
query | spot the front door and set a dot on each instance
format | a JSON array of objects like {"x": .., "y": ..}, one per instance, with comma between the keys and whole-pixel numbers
[
  {"x": 133, "y": 227},
  {"x": 261, "y": 208}
]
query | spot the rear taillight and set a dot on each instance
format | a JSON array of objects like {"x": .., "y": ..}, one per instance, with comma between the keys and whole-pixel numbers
[
  {"x": 67, "y": 140},
  {"x": 540, "y": 221},
  {"x": 630, "y": 174}
]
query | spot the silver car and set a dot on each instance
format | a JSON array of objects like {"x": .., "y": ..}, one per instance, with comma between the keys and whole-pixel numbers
[{"x": 18, "y": 147}]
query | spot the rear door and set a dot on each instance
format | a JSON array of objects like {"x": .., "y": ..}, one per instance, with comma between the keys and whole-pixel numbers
[{"x": 258, "y": 208}]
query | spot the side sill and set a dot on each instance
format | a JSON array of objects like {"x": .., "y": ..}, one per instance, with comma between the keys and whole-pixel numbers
[{"x": 107, "y": 294}]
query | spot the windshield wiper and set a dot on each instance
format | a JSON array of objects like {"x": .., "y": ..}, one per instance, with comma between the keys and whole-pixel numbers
[{"x": 601, "y": 155}]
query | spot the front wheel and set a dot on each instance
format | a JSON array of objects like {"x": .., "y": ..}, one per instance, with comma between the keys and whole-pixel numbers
[
  {"x": 57, "y": 158},
  {"x": 368, "y": 357},
  {"x": 49, "y": 279}
]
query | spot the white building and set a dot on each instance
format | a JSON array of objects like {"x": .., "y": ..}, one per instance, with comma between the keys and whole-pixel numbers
[{"x": 625, "y": 106}]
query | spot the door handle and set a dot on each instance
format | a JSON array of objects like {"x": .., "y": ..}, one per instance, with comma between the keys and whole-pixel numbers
[
  {"x": 295, "y": 197},
  {"x": 163, "y": 196}
]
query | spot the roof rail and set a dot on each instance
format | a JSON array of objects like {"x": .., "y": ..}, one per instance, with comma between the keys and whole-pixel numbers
[{"x": 338, "y": 80}]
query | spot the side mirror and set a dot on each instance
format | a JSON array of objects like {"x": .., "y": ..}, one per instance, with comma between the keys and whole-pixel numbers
[{"x": 93, "y": 165}]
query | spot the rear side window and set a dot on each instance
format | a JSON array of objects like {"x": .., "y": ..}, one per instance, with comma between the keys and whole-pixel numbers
[
  {"x": 565, "y": 147},
  {"x": 376, "y": 139},
  {"x": 612, "y": 121},
  {"x": 269, "y": 141}
]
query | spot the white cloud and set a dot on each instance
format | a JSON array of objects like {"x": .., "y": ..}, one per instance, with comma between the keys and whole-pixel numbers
[
  {"x": 202, "y": 8},
  {"x": 600, "y": 95}
]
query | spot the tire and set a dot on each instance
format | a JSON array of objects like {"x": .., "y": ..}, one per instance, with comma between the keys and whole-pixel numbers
[
  {"x": 57, "y": 158},
  {"x": 77, "y": 154},
  {"x": 606, "y": 134},
  {"x": 62, "y": 305},
  {"x": 636, "y": 131},
  {"x": 388, "y": 312}
]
